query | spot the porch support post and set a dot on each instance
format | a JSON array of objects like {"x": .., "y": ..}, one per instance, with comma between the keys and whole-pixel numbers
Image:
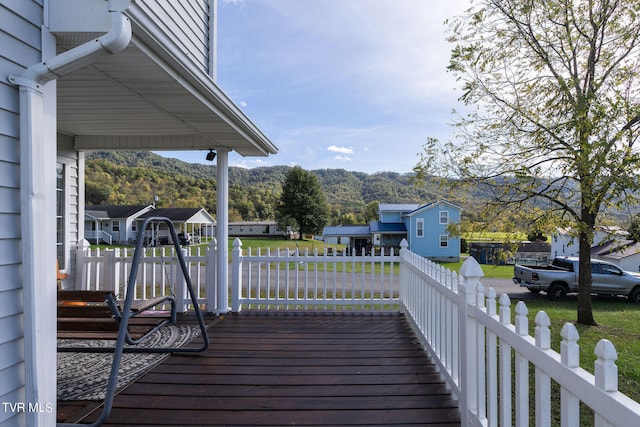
[{"x": 222, "y": 232}]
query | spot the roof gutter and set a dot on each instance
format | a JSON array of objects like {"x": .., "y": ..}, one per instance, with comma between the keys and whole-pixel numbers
[
  {"x": 114, "y": 41},
  {"x": 37, "y": 191}
]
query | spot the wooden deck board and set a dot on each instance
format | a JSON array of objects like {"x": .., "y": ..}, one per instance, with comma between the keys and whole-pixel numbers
[{"x": 312, "y": 369}]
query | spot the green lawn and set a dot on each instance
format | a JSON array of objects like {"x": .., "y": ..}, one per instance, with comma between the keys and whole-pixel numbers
[
  {"x": 274, "y": 244},
  {"x": 618, "y": 321},
  {"x": 490, "y": 271}
]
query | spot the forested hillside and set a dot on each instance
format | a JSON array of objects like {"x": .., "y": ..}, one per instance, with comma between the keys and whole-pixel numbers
[{"x": 138, "y": 177}]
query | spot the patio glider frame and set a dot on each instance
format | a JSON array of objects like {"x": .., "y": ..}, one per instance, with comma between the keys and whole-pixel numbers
[{"x": 128, "y": 310}]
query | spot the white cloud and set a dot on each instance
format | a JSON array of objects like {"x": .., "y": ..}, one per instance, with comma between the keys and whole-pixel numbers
[
  {"x": 234, "y": 2},
  {"x": 246, "y": 163},
  {"x": 343, "y": 150},
  {"x": 342, "y": 158}
]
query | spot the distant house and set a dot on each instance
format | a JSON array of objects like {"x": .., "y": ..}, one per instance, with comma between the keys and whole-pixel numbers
[
  {"x": 564, "y": 241},
  {"x": 533, "y": 252},
  {"x": 623, "y": 253},
  {"x": 425, "y": 227},
  {"x": 255, "y": 229},
  {"x": 494, "y": 253},
  {"x": 192, "y": 223},
  {"x": 429, "y": 236},
  {"x": 112, "y": 224},
  {"x": 356, "y": 237},
  {"x": 119, "y": 224},
  {"x": 391, "y": 226}
]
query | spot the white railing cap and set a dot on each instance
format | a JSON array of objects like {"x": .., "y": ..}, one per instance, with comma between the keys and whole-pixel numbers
[{"x": 470, "y": 268}]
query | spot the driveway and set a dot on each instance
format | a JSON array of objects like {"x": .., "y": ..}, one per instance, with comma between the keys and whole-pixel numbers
[{"x": 502, "y": 286}]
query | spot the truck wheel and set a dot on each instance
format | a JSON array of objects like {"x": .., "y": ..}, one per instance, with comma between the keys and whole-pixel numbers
[
  {"x": 634, "y": 296},
  {"x": 556, "y": 292}
]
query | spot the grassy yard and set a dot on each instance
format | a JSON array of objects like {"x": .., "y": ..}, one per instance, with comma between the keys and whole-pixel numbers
[
  {"x": 618, "y": 321},
  {"x": 490, "y": 271},
  {"x": 274, "y": 244}
]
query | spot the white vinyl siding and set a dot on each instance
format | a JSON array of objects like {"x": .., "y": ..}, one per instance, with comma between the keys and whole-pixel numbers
[
  {"x": 72, "y": 210},
  {"x": 186, "y": 23}
]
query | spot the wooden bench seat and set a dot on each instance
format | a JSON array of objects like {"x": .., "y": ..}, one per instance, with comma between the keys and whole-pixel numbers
[{"x": 96, "y": 314}]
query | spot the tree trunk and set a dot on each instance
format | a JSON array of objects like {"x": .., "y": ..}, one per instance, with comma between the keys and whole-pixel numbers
[{"x": 585, "y": 312}]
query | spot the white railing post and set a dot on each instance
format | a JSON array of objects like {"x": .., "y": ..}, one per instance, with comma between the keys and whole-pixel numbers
[
  {"x": 108, "y": 280},
  {"x": 506, "y": 402},
  {"x": 82, "y": 253},
  {"x": 210, "y": 276},
  {"x": 606, "y": 373},
  {"x": 180, "y": 283},
  {"x": 471, "y": 273},
  {"x": 569, "y": 357},
  {"x": 492, "y": 363},
  {"x": 522, "y": 368},
  {"x": 481, "y": 354},
  {"x": 236, "y": 276},
  {"x": 542, "y": 380},
  {"x": 404, "y": 246}
]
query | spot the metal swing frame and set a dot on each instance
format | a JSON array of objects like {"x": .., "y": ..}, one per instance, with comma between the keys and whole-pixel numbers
[{"x": 126, "y": 312}]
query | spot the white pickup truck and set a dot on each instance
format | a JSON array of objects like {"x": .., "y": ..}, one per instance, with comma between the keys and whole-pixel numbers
[{"x": 561, "y": 277}]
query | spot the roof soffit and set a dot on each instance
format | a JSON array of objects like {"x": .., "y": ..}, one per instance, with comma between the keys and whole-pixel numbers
[{"x": 147, "y": 98}]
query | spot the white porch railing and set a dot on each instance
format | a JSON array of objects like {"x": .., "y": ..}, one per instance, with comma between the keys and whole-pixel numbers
[
  {"x": 482, "y": 355},
  {"x": 99, "y": 235},
  {"x": 484, "y": 358},
  {"x": 159, "y": 273},
  {"x": 284, "y": 280}
]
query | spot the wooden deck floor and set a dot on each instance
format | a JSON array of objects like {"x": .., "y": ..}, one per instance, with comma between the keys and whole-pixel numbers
[{"x": 278, "y": 369}]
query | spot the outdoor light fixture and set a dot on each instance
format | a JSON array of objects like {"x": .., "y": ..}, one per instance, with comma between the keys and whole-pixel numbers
[{"x": 211, "y": 155}]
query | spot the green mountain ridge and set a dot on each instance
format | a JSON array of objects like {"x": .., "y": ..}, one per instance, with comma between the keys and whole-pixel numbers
[{"x": 142, "y": 177}]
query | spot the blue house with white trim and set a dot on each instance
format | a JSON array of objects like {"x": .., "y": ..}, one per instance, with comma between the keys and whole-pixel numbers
[
  {"x": 426, "y": 228},
  {"x": 428, "y": 232}
]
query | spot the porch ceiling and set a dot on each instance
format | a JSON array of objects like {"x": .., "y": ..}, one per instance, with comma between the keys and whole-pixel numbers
[{"x": 143, "y": 99}]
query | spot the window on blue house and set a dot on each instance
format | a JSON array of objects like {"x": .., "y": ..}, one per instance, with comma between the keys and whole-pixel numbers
[
  {"x": 419, "y": 227},
  {"x": 444, "y": 217},
  {"x": 444, "y": 241}
]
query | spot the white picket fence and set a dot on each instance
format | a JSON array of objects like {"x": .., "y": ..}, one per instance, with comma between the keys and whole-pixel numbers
[
  {"x": 292, "y": 279},
  {"x": 159, "y": 273},
  {"x": 485, "y": 359}
]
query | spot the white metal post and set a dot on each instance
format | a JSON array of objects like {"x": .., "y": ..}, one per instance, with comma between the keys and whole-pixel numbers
[
  {"x": 222, "y": 231},
  {"x": 236, "y": 275},
  {"x": 211, "y": 275}
]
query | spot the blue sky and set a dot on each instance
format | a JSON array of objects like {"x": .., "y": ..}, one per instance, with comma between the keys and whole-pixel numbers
[{"x": 352, "y": 84}]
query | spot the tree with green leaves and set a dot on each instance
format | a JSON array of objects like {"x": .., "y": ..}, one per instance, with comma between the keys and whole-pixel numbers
[
  {"x": 551, "y": 92},
  {"x": 633, "y": 228},
  {"x": 302, "y": 203}
]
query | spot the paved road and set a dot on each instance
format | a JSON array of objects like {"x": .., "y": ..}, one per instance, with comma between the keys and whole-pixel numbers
[{"x": 507, "y": 286}]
